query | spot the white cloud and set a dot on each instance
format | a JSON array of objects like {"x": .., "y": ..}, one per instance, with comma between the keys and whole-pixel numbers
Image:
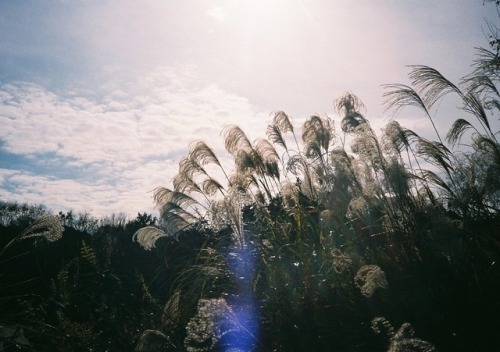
[{"x": 118, "y": 149}]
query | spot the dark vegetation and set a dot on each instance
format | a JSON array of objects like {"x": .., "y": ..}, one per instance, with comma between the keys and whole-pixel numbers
[{"x": 324, "y": 241}]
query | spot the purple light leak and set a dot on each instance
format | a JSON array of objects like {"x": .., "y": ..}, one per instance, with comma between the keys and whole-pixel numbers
[{"x": 244, "y": 313}]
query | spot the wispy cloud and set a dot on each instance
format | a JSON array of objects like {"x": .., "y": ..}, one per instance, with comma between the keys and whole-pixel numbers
[{"x": 117, "y": 149}]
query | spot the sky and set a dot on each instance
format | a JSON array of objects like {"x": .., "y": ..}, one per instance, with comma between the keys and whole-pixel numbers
[{"x": 99, "y": 99}]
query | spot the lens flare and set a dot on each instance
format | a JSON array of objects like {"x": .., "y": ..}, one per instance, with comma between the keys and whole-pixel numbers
[{"x": 241, "y": 261}]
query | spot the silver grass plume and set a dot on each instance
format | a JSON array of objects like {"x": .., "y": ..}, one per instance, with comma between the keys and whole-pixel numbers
[
  {"x": 190, "y": 167},
  {"x": 269, "y": 157},
  {"x": 205, "y": 329},
  {"x": 489, "y": 146},
  {"x": 217, "y": 327},
  {"x": 341, "y": 161},
  {"x": 260, "y": 199},
  {"x": 381, "y": 324},
  {"x": 433, "y": 179},
  {"x": 317, "y": 133},
  {"x": 436, "y": 153},
  {"x": 366, "y": 145},
  {"x": 357, "y": 208},
  {"x": 185, "y": 184},
  {"x": 236, "y": 140},
  {"x": 164, "y": 195},
  {"x": 247, "y": 162},
  {"x": 173, "y": 207},
  {"x": 289, "y": 194},
  {"x": 401, "y": 96},
  {"x": 340, "y": 158},
  {"x": 184, "y": 181},
  {"x": 243, "y": 181},
  {"x": 233, "y": 204},
  {"x": 313, "y": 150},
  {"x": 342, "y": 262},
  {"x": 280, "y": 126},
  {"x": 434, "y": 86},
  {"x": 298, "y": 166},
  {"x": 397, "y": 138},
  {"x": 350, "y": 122},
  {"x": 431, "y": 84},
  {"x": 177, "y": 220},
  {"x": 369, "y": 279},
  {"x": 474, "y": 106},
  {"x": 349, "y": 107},
  {"x": 481, "y": 84},
  {"x": 217, "y": 214},
  {"x": 487, "y": 63},
  {"x": 228, "y": 212},
  {"x": 48, "y": 226},
  {"x": 403, "y": 340},
  {"x": 276, "y": 136},
  {"x": 147, "y": 236},
  {"x": 210, "y": 186},
  {"x": 398, "y": 177},
  {"x": 202, "y": 153},
  {"x": 283, "y": 122},
  {"x": 348, "y": 104},
  {"x": 457, "y": 130}
]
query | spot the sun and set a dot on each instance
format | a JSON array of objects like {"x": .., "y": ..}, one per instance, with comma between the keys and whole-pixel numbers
[
  {"x": 262, "y": 7},
  {"x": 254, "y": 12}
]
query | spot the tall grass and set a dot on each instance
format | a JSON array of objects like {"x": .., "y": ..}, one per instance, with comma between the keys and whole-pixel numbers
[
  {"x": 341, "y": 229},
  {"x": 335, "y": 236}
]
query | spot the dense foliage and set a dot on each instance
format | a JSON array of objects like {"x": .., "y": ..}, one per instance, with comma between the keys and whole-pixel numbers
[
  {"x": 81, "y": 292},
  {"x": 331, "y": 238}
]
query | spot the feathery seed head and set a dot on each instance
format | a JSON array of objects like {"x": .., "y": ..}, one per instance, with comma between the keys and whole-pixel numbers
[
  {"x": 348, "y": 104},
  {"x": 202, "y": 153},
  {"x": 282, "y": 121},
  {"x": 48, "y": 226},
  {"x": 236, "y": 140},
  {"x": 147, "y": 236},
  {"x": 369, "y": 279}
]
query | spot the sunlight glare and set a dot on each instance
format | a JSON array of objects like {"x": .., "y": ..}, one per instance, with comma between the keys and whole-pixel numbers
[
  {"x": 257, "y": 15},
  {"x": 218, "y": 13}
]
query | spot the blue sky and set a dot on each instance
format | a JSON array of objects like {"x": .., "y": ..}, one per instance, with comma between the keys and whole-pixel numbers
[{"x": 100, "y": 99}]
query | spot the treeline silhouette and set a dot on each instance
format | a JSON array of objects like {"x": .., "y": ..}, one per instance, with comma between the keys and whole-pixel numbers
[{"x": 92, "y": 289}]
